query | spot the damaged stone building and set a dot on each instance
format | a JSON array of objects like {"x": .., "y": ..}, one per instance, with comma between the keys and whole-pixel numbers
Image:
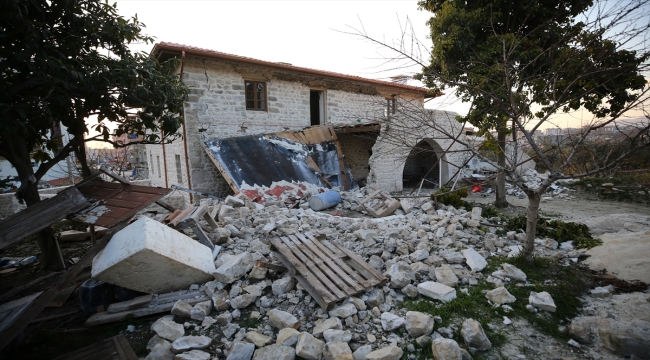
[{"x": 233, "y": 96}]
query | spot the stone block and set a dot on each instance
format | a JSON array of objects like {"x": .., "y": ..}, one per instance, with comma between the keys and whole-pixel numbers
[
  {"x": 437, "y": 291},
  {"x": 150, "y": 257},
  {"x": 474, "y": 260}
]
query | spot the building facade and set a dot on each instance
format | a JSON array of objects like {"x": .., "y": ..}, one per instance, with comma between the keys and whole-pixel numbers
[{"x": 234, "y": 96}]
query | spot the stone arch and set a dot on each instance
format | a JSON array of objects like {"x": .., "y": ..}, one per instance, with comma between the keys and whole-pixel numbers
[{"x": 420, "y": 160}]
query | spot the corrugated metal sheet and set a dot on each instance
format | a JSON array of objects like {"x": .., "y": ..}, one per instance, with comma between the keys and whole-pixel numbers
[
  {"x": 114, "y": 202},
  {"x": 115, "y": 348}
]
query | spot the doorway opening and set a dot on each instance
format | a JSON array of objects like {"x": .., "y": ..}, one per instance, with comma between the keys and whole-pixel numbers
[
  {"x": 421, "y": 165},
  {"x": 317, "y": 107}
]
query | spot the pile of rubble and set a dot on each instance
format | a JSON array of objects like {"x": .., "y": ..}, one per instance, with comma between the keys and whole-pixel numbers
[
  {"x": 533, "y": 180},
  {"x": 256, "y": 309}
]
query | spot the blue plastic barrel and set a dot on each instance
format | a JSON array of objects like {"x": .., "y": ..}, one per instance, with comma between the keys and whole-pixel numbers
[
  {"x": 94, "y": 293},
  {"x": 324, "y": 200}
]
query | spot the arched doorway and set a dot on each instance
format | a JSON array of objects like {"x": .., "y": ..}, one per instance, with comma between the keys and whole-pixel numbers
[{"x": 422, "y": 164}]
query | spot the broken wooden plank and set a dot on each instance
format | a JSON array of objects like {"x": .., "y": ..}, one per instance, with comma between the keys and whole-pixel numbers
[
  {"x": 115, "y": 348},
  {"x": 112, "y": 174},
  {"x": 106, "y": 317},
  {"x": 135, "y": 303},
  {"x": 41, "y": 215},
  {"x": 266, "y": 265},
  {"x": 9, "y": 294},
  {"x": 62, "y": 297},
  {"x": 180, "y": 217},
  {"x": 11, "y": 329}
]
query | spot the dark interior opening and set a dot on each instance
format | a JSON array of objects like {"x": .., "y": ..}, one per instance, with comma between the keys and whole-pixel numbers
[
  {"x": 315, "y": 107},
  {"x": 420, "y": 165}
]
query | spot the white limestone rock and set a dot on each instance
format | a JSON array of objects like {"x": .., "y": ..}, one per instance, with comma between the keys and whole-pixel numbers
[
  {"x": 474, "y": 336},
  {"x": 418, "y": 323},
  {"x": 308, "y": 347},
  {"x": 362, "y": 352},
  {"x": 510, "y": 271},
  {"x": 283, "y": 285},
  {"x": 474, "y": 260},
  {"x": 343, "y": 311},
  {"x": 446, "y": 349},
  {"x": 167, "y": 329},
  {"x": 337, "y": 351},
  {"x": 437, "y": 291},
  {"x": 233, "y": 269},
  {"x": 332, "y": 335},
  {"x": 331, "y": 323},
  {"x": 390, "y": 322},
  {"x": 201, "y": 310},
  {"x": 241, "y": 351},
  {"x": 387, "y": 353},
  {"x": 242, "y": 301},
  {"x": 500, "y": 295},
  {"x": 445, "y": 275},
  {"x": 287, "y": 337},
  {"x": 542, "y": 301},
  {"x": 281, "y": 319},
  {"x": 275, "y": 352},
  {"x": 182, "y": 309},
  {"x": 187, "y": 343},
  {"x": 260, "y": 340},
  {"x": 193, "y": 355}
]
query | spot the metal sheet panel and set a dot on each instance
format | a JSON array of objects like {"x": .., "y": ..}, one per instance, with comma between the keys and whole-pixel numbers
[{"x": 114, "y": 202}]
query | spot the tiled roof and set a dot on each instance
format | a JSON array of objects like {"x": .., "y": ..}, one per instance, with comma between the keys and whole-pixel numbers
[{"x": 159, "y": 47}]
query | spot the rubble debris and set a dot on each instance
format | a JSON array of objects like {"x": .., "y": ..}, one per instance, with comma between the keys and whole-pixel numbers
[
  {"x": 580, "y": 330},
  {"x": 148, "y": 247},
  {"x": 167, "y": 329},
  {"x": 474, "y": 336},
  {"x": 500, "y": 296},
  {"x": 114, "y": 348},
  {"x": 233, "y": 269},
  {"x": 437, "y": 291},
  {"x": 387, "y": 353},
  {"x": 379, "y": 204},
  {"x": 446, "y": 349},
  {"x": 310, "y": 259}
]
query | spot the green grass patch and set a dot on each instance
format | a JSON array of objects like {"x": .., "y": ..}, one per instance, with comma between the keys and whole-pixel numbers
[
  {"x": 564, "y": 283},
  {"x": 558, "y": 230},
  {"x": 250, "y": 322}
]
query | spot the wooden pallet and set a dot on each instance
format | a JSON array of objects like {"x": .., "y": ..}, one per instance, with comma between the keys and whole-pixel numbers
[
  {"x": 329, "y": 272},
  {"x": 380, "y": 204}
]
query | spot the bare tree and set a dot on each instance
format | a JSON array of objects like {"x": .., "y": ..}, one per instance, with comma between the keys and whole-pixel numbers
[{"x": 596, "y": 62}]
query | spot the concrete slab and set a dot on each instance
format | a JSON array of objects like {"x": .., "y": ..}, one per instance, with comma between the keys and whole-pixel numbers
[{"x": 150, "y": 257}]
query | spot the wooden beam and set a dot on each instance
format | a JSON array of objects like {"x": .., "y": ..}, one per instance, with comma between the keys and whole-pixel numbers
[
  {"x": 115, "y": 176},
  {"x": 41, "y": 215}
]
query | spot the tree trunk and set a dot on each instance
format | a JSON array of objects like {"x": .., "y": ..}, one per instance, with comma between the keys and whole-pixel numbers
[
  {"x": 531, "y": 225},
  {"x": 501, "y": 201},
  {"x": 45, "y": 238}
]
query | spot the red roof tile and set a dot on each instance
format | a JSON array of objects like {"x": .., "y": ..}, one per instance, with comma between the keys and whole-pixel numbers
[{"x": 159, "y": 47}]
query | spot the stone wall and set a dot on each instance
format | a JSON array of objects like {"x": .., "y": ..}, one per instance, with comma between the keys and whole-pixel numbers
[{"x": 357, "y": 149}]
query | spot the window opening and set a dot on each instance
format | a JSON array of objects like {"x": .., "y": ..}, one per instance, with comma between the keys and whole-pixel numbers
[
  {"x": 179, "y": 174},
  {"x": 316, "y": 107},
  {"x": 255, "y": 95},
  {"x": 158, "y": 163}
]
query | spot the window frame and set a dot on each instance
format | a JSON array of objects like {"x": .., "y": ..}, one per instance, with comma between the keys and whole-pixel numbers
[
  {"x": 256, "y": 95},
  {"x": 391, "y": 105}
]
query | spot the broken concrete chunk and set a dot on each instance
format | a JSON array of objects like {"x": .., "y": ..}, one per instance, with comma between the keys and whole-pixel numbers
[
  {"x": 275, "y": 352},
  {"x": 167, "y": 329},
  {"x": 437, "y": 291},
  {"x": 387, "y": 353},
  {"x": 219, "y": 300},
  {"x": 162, "y": 351},
  {"x": 337, "y": 351},
  {"x": 474, "y": 336},
  {"x": 233, "y": 269},
  {"x": 476, "y": 213},
  {"x": 308, "y": 347},
  {"x": 234, "y": 201},
  {"x": 426, "y": 207},
  {"x": 281, "y": 319},
  {"x": 510, "y": 271},
  {"x": 182, "y": 309},
  {"x": 399, "y": 280},
  {"x": 187, "y": 343},
  {"x": 201, "y": 310},
  {"x": 474, "y": 260},
  {"x": 446, "y": 349},
  {"x": 287, "y": 337},
  {"x": 418, "y": 323},
  {"x": 242, "y": 301},
  {"x": 148, "y": 247},
  {"x": 452, "y": 257},
  {"x": 600, "y": 292},
  {"x": 500, "y": 295},
  {"x": 542, "y": 301},
  {"x": 258, "y": 273},
  {"x": 332, "y": 335}
]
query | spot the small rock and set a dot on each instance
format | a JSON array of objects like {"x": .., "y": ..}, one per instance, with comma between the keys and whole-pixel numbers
[
  {"x": 580, "y": 330},
  {"x": 241, "y": 351},
  {"x": 337, "y": 351},
  {"x": 331, "y": 335},
  {"x": 600, "y": 292},
  {"x": 242, "y": 301},
  {"x": 399, "y": 280},
  {"x": 308, "y": 347},
  {"x": 258, "y": 273},
  {"x": 390, "y": 322},
  {"x": 182, "y": 309},
  {"x": 283, "y": 285},
  {"x": 275, "y": 352},
  {"x": 474, "y": 260},
  {"x": 331, "y": 323},
  {"x": 574, "y": 343},
  {"x": 446, "y": 349},
  {"x": 287, "y": 337},
  {"x": 437, "y": 291},
  {"x": 418, "y": 323},
  {"x": 410, "y": 291},
  {"x": 500, "y": 295},
  {"x": 445, "y": 275},
  {"x": 233, "y": 269},
  {"x": 387, "y": 353},
  {"x": 162, "y": 351},
  {"x": 187, "y": 343},
  {"x": 542, "y": 301},
  {"x": 474, "y": 336},
  {"x": 281, "y": 319},
  {"x": 343, "y": 311},
  {"x": 193, "y": 355},
  {"x": 362, "y": 352},
  {"x": 201, "y": 310},
  {"x": 167, "y": 329}
]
